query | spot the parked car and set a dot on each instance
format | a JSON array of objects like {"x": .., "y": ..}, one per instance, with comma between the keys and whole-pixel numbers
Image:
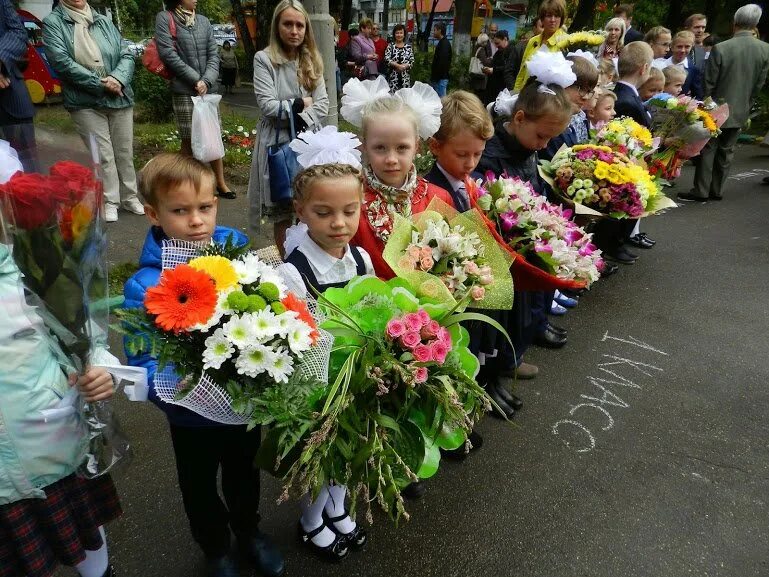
[
  {"x": 221, "y": 39},
  {"x": 136, "y": 48}
]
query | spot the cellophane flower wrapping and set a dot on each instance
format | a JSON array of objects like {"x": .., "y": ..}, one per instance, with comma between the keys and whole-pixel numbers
[
  {"x": 401, "y": 387},
  {"x": 626, "y": 136},
  {"x": 538, "y": 230},
  {"x": 450, "y": 256},
  {"x": 236, "y": 338},
  {"x": 53, "y": 222},
  {"x": 599, "y": 181}
]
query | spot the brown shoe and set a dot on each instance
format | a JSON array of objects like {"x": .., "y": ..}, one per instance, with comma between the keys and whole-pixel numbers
[{"x": 526, "y": 371}]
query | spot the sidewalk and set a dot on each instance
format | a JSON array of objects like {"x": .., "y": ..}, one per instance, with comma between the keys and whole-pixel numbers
[{"x": 243, "y": 101}]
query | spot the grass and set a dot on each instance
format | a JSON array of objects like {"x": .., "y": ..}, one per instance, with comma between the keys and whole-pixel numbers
[
  {"x": 118, "y": 275},
  {"x": 55, "y": 118}
]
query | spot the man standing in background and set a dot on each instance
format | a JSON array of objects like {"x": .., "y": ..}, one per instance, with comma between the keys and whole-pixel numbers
[
  {"x": 625, "y": 11},
  {"x": 734, "y": 73},
  {"x": 439, "y": 73},
  {"x": 16, "y": 108}
]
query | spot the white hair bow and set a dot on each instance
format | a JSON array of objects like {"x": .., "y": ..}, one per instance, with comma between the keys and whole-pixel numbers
[
  {"x": 327, "y": 146},
  {"x": 551, "y": 68},
  {"x": 586, "y": 55},
  {"x": 505, "y": 103}
]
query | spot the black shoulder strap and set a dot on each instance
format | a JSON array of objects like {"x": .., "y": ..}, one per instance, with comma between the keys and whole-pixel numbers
[
  {"x": 299, "y": 260},
  {"x": 360, "y": 265}
]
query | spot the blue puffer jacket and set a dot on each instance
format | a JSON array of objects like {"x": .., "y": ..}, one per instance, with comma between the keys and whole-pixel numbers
[{"x": 135, "y": 288}]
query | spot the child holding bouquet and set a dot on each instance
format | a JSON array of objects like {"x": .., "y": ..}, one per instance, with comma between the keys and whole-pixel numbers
[
  {"x": 181, "y": 204},
  {"x": 531, "y": 119},
  {"x": 328, "y": 193},
  {"x": 392, "y": 126}
]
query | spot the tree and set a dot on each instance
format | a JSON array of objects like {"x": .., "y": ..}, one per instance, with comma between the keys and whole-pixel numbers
[
  {"x": 424, "y": 35},
  {"x": 245, "y": 33},
  {"x": 463, "y": 23},
  {"x": 583, "y": 17}
]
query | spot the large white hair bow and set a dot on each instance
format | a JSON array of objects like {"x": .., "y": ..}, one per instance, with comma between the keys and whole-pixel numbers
[
  {"x": 505, "y": 103},
  {"x": 9, "y": 162},
  {"x": 327, "y": 146},
  {"x": 421, "y": 98},
  {"x": 551, "y": 68},
  {"x": 589, "y": 56}
]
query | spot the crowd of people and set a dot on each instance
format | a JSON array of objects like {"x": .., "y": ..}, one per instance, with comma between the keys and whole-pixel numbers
[{"x": 347, "y": 209}]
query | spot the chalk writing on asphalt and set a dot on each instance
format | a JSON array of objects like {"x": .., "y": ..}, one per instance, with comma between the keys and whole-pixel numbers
[
  {"x": 749, "y": 174},
  {"x": 617, "y": 376}
]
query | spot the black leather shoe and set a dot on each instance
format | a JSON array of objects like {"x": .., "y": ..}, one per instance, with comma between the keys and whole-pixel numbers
[
  {"x": 557, "y": 330},
  {"x": 262, "y": 553},
  {"x": 415, "y": 490},
  {"x": 550, "y": 340},
  {"x": 228, "y": 194},
  {"x": 691, "y": 197},
  {"x": 711, "y": 197},
  {"x": 336, "y": 551},
  {"x": 638, "y": 241},
  {"x": 504, "y": 411},
  {"x": 512, "y": 401},
  {"x": 221, "y": 567},
  {"x": 628, "y": 253},
  {"x": 609, "y": 268},
  {"x": 356, "y": 539},
  {"x": 621, "y": 256},
  {"x": 647, "y": 238}
]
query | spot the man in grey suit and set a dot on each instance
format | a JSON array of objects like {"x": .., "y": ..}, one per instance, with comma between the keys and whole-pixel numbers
[
  {"x": 734, "y": 73},
  {"x": 16, "y": 108}
]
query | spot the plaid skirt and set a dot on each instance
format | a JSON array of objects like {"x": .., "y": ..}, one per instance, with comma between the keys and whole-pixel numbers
[
  {"x": 183, "y": 112},
  {"x": 36, "y": 535}
]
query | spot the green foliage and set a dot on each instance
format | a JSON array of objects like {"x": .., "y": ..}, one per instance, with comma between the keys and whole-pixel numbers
[
  {"x": 153, "y": 96},
  {"x": 245, "y": 64},
  {"x": 118, "y": 275},
  {"x": 459, "y": 75}
]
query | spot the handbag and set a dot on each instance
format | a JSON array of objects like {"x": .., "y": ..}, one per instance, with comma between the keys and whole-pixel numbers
[
  {"x": 281, "y": 162},
  {"x": 151, "y": 57},
  {"x": 476, "y": 67}
]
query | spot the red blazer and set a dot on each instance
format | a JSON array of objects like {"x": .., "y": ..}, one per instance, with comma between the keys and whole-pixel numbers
[{"x": 366, "y": 237}]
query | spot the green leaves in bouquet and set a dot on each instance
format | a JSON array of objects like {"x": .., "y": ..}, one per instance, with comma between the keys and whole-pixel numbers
[{"x": 229, "y": 249}]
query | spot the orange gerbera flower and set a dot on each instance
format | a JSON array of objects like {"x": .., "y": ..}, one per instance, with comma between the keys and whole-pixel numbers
[
  {"x": 294, "y": 303},
  {"x": 184, "y": 298}
]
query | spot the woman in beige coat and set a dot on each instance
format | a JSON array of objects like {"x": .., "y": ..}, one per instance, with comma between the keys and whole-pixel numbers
[{"x": 288, "y": 74}]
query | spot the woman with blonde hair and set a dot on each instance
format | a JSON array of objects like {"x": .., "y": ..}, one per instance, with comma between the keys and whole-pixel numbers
[
  {"x": 288, "y": 80},
  {"x": 615, "y": 40}
]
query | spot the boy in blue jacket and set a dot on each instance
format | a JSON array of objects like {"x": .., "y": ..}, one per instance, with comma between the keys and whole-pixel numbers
[{"x": 180, "y": 203}]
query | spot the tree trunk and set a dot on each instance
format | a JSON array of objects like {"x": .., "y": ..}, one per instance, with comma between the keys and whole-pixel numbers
[
  {"x": 428, "y": 27},
  {"x": 346, "y": 15},
  {"x": 583, "y": 17},
  {"x": 675, "y": 14},
  {"x": 245, "y": 34},
  {"x": 463, "y": 23},
  {"x": 323, "y": 28},
  {"x": 264, "y": 11},
  {"x": 386, "y": 18}
]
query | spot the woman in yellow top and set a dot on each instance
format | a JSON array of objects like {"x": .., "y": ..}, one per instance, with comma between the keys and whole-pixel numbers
[{"x": 552, "y": 13}]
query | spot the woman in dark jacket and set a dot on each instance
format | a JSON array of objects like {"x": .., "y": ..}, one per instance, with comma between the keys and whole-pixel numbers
[{"x": 193, "y": 58}]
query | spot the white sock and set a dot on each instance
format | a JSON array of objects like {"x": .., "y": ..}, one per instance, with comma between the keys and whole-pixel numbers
[
  {"x": 96, "y": 562},
  {"x": 312, "y": 518},
  {"x": 557, "y": 294},
  {"x": 637, "y": 228},
  {"x": 335, "y": 508}
]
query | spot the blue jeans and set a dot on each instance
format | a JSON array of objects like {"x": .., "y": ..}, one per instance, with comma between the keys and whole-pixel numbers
[{"x": 440, "y": 86}]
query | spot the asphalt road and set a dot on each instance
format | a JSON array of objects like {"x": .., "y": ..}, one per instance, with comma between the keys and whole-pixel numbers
[{"x": 645, "y": 456}]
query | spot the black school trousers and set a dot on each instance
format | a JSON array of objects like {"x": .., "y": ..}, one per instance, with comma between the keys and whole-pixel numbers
[{"x": 200, "y": 452}]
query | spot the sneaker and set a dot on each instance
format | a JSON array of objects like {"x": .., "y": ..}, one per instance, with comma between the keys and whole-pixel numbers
[
  {"x": 110, "y": 212},
  {"x": 133, "y": 205}
]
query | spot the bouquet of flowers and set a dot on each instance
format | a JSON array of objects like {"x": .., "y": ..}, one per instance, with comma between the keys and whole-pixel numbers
[
  {"x": 539, "y": 231},
  {"x": 58, "y": 243},
  {"x": 626, "y": 136},
  {"x": 583, "y": 39},
  {"x": 598, "y": 181},
  {"x": 232, "y": 338},
  {"x": 401, "y": 387},
  {"x": 450, "y": 256}
]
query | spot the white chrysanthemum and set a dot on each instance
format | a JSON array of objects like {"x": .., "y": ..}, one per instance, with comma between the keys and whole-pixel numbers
[
  {"x": 264, "y": 325},
  {"x": 282, "y": 366},
  {"x": 218, "y": 350},
  {"x": 286, "y": 322},
  {"x": 300, "y": 337},
  {"x": 254, "y": 360},
  {"x": 239, "y": 330},
  {"x": 222, "y": 308},
  {"x": 248, "y": 268}
]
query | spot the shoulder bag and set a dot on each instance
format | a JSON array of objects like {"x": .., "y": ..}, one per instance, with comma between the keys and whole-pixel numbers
[
  {"x": 281, "y": 161},
  {"x": 151, "y": 58}
]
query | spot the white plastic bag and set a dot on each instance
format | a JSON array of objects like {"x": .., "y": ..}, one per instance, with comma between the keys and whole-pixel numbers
[
  {"x": 9, "y": 162},
  {"x": 206, "y": 131}
]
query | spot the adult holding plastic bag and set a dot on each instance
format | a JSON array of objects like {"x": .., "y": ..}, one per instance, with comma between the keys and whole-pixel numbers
[
  {"x": 289, "y": 89},
  {"x": 84, "y": 49},
  {"x": 192, "y": 56}
]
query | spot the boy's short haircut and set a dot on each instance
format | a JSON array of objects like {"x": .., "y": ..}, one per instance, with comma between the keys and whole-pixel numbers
[
  {"x": 169, "y": 170},
  {"x": 673, "y": 73},
  {"x": 689, "y": 22},
  {"x": 441, "y": 27},
  {"x": 633, "y": 57},
  {"x": 587, "y": 73},
  {"x": 463, "y": 110},
  {"x": 501, "y": 35},
  {"x": 555, "y": 7},
  {"x": 653, "y": 34},
  {"x": 684, "y": 34},
  {"x": 624, "y": 9}
]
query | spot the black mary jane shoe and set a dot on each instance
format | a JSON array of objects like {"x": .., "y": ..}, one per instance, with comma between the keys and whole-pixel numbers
[
  {"x": 228, "y": 194},
  {"x": 357, "y": 538},
  {"x": 639, "y": 242},
  {"x": 336, "y": 551},
  {"x": 502, "y": 410},
  {"x": 647, "y": 238},
  {"x": 512, "y": 400}
]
